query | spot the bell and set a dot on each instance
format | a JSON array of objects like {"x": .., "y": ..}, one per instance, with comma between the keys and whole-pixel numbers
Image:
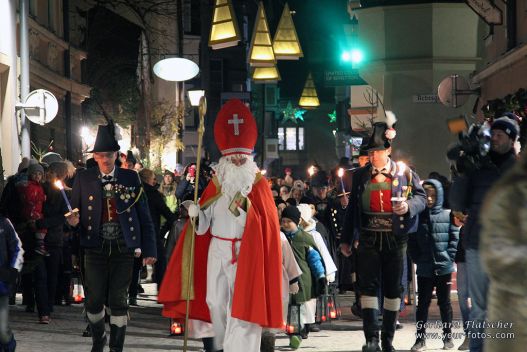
[{"x": 293, "y": 326}]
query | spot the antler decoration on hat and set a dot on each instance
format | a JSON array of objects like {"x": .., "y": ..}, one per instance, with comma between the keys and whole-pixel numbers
[{"x": 390, "y": 122}]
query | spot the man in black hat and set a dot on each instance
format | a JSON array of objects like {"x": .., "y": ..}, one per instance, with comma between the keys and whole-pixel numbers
[
  {"x": 386, "y": 198},
  {"x": 115, "y": 226}
]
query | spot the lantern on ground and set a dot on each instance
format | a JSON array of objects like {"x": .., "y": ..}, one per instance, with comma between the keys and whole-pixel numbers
[{"x": 293, "y": 325}]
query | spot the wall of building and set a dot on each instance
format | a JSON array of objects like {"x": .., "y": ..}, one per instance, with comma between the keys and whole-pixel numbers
[
  {"x": 504, "y": 69},
  {"x": 8, "y": 87},
  {"x": 410, "y": 49}
]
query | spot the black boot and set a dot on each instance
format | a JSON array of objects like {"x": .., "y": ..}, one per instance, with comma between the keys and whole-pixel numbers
[
  {"x": 117, "y": 334},
  {"x": 98, "y": 336},
  {"x": 371, "y": 329},
  {"x": 267, "y": 343},
  {"x": 389, "y": 322},
  {"x": 208, "y": 344}
]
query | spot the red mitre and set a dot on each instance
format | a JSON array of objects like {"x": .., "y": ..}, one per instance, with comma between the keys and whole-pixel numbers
[{"x": 235, "y": 129}]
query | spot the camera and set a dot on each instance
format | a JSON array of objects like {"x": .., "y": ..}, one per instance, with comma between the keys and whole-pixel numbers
[{"x": 470, "y": 153}]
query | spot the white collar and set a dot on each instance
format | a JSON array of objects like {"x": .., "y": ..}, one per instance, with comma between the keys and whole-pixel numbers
[
  {"x": 387, "y": 168},
  {"x": 111, "y": 174}
]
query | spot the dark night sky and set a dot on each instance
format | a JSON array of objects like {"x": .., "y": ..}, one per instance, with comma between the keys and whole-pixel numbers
[{"x": 319, "y": 25}]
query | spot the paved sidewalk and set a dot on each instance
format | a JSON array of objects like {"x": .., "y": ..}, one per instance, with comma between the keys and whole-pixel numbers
[{"x": 148, "y": 331}]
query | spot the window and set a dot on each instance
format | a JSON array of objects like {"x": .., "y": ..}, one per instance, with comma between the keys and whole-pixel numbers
[{"x": 291, "y": 138}]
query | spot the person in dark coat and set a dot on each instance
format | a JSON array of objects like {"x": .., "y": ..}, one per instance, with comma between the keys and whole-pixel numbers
[
  {"x": 466, "y": 197},
  {"x": 54, "y": 221},
  {"x": 386, "y": 198},
  {"x": 158, "y": 208},
  {"x": 433, "y": 248},
  {"x": 115, "y": 225}
]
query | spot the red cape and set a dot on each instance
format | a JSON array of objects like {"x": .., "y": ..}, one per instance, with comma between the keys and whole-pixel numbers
[{"x": 257, "y": 289}]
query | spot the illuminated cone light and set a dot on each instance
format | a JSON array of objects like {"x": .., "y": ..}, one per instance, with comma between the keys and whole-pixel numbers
[
  {"x": 309, "y": 98},
  {"x": 285, "y": 44},
  {"x": 261, "y": 52}
]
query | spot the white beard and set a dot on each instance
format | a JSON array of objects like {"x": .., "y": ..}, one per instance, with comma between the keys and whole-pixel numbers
[{"x": 234, "y": 178}]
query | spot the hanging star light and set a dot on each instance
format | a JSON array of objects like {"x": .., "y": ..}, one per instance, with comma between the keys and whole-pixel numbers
[
  {"x": 292, "y": 114},
  {"x": 332, "y": 116}
]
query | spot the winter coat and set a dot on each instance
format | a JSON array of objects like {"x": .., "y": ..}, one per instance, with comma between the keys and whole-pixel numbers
[
  {"x": 504, "y": 257},
  {"x": 32, "y": 200},
  {"x": 433, "y": 247},
  {"x": 11, "y": 252},
  {"x": 158, "y": 208},
  {"x": 468, "y": 192},
  {"x": 309, "y": 261},
  {"x": 53, "y": 220}
]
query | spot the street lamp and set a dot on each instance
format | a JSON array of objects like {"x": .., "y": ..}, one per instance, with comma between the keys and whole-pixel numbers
[
  {"x": 195, "y": 95},
  {"x": 177, "y": 69}
]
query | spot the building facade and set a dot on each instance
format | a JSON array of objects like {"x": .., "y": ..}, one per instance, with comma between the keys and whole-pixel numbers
[{"x": 410, "y": 47}]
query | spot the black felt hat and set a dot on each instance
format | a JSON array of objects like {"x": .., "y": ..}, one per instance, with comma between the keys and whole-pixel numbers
[
  {"x": 320, "y": 179},
  {"x": 105, "y": 140},
  {"x": 378, "y": 140}
]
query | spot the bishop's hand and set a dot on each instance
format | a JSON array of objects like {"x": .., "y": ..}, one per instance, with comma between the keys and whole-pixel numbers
[{"x": 193, "y": 210}]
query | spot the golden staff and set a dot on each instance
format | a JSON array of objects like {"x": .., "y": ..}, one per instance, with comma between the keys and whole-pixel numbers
[{"x": 201, "y": 130}]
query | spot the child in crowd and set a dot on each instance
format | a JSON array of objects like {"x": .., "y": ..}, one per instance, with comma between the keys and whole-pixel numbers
[
  {"x": 32, "y": 201},
  {"x": 312, "y": 281},
  {"x": 433, "y": 248}
]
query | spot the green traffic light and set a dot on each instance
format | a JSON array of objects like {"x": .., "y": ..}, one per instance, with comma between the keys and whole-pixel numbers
[{"x": 354, "y": 56}]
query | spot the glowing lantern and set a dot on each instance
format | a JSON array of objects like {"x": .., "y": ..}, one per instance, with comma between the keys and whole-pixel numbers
[
  {"x": 293, "y": 325},
  {"x": 176, "y": 328},
  {"x": 266, "y": 75},
  {"x": 285, "y": 44},
  {"x": 261, "y": 51},
  {"x": 224, "y": 30},
  {"x": 309, "y": 98}
]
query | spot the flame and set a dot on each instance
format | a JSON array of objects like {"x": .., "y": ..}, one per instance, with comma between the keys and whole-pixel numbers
[
  {"x": 333, "y": 314},
  {"x": 311, "y": 170},
  {"x": 290, "y": 329},
  {"x": 401, "y": 168},
  {"x": 340, "y": 173},
  {"x": 78, "y": 298},
  {"x": 59, "y": 184}
]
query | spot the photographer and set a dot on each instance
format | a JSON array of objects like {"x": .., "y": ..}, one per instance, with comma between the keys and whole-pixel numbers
[
  {"x": 185, "y": 188},
  {"x": 467, "y": 194}
]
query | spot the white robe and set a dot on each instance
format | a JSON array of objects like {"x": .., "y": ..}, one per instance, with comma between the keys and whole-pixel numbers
[
  {"x": 308, "y": 309},
  {"x": 231, "y": 334}
]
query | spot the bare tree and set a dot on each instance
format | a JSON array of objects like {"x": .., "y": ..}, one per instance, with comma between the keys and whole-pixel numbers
[{"x": 149, "y": 14}]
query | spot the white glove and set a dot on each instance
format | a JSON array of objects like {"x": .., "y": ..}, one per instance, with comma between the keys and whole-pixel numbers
[
  {"x": 193, "y": 210},
  {"x": 294, "y": 288},
  {"x": 331, "y": 277}
]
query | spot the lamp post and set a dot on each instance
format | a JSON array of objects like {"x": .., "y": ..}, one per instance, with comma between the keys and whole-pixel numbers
[{"x": 177, "y": 69}]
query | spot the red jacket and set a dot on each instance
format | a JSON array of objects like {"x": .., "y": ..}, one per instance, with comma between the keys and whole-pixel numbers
[{"x": 32, "y": 198}]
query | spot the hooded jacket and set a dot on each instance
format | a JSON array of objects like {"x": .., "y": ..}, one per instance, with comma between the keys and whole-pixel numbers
[{"x": 433, "y": 247}]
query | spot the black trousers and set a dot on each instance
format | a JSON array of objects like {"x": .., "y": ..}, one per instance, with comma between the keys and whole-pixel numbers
[
  {"x": 380, "y": 257},
  {"x": 425, "y": 286},
  {"x": 108, "y": 275}
]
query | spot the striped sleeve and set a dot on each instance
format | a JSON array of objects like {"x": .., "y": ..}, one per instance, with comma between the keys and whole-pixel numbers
[{"x": 14, "y": 247}]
